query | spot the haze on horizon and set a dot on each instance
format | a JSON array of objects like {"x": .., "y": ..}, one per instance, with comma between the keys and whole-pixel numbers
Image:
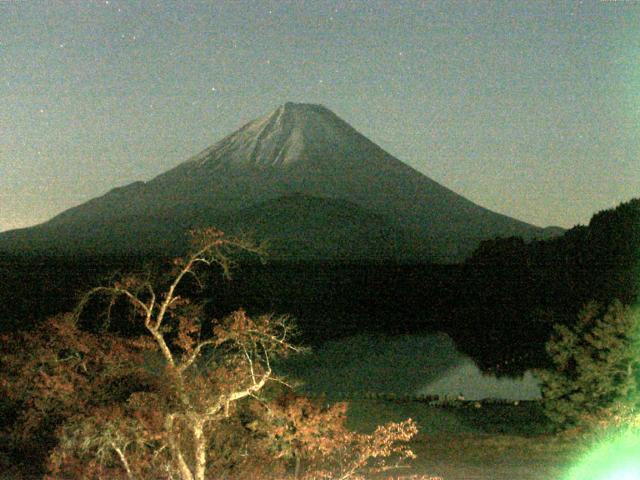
[{"x": 530, "y": 109}]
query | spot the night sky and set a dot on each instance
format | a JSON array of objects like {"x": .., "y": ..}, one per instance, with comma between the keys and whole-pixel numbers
[{"x": 531, "y": 109}]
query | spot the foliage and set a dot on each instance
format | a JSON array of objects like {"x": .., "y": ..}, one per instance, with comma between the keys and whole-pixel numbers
[
  {"x": 596, "y": 366},
  {"x": 618, "y": 417},
  {"x": 187, "y": 399},
  {"x": 315, "y": 436},
  {"x": 58, "y": 371}
]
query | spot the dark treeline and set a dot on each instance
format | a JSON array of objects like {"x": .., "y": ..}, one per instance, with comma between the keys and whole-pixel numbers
[
  {"x": 517, "y": 290},
  {"x": 332, "y": 300},
  {"x": 328, "y": 299},
  {"x": 35, "y": 287},
  {"x": 499, "y": 306}
]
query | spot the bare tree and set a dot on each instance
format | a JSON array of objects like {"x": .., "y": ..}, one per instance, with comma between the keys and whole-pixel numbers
[{"x": 237, "y": 364}]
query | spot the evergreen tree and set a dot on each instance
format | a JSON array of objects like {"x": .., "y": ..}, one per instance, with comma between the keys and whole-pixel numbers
[{"x": 596, "y": 365}]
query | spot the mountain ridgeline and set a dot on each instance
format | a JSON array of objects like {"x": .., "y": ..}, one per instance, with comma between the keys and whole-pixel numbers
[{"x": 300, "y": 178}]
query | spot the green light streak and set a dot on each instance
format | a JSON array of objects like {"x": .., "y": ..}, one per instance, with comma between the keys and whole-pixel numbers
[{"x": 616, "y": 458}]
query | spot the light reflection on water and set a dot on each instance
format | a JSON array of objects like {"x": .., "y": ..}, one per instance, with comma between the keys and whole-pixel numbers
[{"x": 403, "y": 365}]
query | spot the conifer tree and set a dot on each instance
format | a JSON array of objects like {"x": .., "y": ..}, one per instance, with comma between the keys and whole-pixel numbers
[{"x": 596, "y": 365}]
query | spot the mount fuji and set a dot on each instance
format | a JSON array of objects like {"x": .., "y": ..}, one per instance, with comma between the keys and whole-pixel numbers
[{"x": 301, "y": 178}]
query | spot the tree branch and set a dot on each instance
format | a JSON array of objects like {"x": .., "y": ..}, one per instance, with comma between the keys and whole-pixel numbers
[
  {"x": 226, "y": 400},
  {"x": 192, "y": 358},
  {"x": 124, "y": 461}
]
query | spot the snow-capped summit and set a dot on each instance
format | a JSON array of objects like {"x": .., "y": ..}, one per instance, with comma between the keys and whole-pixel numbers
[
  {"x": 278, "y": 139},
  {"x": 293, "y": 133}
]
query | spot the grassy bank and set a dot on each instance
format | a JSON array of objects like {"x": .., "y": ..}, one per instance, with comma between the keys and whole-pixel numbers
[{"x": 467, "y": 442}]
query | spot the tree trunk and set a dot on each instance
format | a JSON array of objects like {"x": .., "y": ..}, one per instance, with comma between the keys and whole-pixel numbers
[
  {"x": 185, "y": 473},
  {"x": 201, "y": 450},
  {"x": 183, "y": 468},
  {"x": 296, "y": 473}
]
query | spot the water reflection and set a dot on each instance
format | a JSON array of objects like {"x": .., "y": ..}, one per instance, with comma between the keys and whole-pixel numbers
[{"x": 402, "y": 365}]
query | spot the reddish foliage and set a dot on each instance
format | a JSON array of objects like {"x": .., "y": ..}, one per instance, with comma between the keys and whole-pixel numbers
[
  {"x": 179, "y": 402},
  {"x": 316, "y": 438}
]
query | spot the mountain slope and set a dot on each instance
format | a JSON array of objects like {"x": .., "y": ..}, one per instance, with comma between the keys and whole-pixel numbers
[
  {"x": 301, "y": 227},
  {"x": 299, "y": 148}
]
